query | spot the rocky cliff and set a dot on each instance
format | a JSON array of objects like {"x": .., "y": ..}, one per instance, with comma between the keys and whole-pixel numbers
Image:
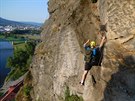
[{"x": 58, "y": 61}]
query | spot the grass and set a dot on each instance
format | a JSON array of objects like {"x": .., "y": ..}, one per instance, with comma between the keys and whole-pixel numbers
[
  {"x": 69, "y": 97},
  {"x": 34, "y": 37},
  {"x": 19, "y": 45},
  {"x": 2, "y": 36},
  {"x": 27, "y": 90},
  {"x": 18, "y": 37},
  {"x": 16, "y": 40},
  {"x": 12, "y": 37}
]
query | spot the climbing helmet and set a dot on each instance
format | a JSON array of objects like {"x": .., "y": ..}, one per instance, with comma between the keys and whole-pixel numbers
[{"x": 92, "y": 43}]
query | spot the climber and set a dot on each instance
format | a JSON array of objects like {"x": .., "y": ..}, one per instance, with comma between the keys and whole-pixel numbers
[{"x": 91, "y": 58}]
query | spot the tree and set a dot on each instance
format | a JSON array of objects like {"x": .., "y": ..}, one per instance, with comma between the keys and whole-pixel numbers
[
  {"x": 10, "y": 62},
  {"x": 21, "y": 60},
  {"x": 30, "y": 47}
]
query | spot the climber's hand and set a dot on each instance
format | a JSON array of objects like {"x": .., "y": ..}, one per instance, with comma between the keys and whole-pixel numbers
[
  {"x": 88, "y": 41},
  {"x": 104, "y": 39}
]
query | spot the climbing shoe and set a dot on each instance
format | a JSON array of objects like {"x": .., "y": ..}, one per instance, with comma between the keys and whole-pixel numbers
[{"x": 82, "y": 84}]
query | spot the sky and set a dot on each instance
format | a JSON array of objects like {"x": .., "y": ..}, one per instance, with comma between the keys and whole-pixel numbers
[{"x": 24, "y": 10}]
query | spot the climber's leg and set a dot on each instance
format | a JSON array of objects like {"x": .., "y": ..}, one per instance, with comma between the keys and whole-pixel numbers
[
  {"x": 84, "y": 76},
  {"x": 88, "y": 66}
]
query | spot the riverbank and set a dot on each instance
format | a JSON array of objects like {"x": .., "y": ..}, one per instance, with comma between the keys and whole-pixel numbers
[{"x": 12, "y": 38}]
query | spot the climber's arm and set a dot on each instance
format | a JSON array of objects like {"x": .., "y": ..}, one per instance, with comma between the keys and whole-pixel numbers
[
  {"x": 102, "y": 41},
  {"x": 86, "y": 43}
]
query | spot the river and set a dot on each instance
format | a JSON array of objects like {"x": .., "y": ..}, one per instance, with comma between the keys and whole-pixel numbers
[{"x": 6, "y": 50}]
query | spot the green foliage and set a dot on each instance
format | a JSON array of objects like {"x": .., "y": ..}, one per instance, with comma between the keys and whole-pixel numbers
[
  {"x": 10, "y": 62},
  {"x": 27, "y": 31},
  {"x": 29, "y": 61},
  {"x": 30, "y": 47},
  {"x": 2, "y": 36},
  {"x": 27, "y": 90},
  {"x": 10, "y": 75},
  {"x": 21, "y": 60},
  {"x": 21, "y": 56},
  {"x": 20, "y": 36},
  {"x": 12, "y": 37},
  {"x": 16, "y": 73},
  {"x": 17, "y": 31},
  {"x": 19, "y": 46},
  {"x": 67, "y": 94},
  {"x": 36, "y": 31},
  {"x": 72, "y": 97}
]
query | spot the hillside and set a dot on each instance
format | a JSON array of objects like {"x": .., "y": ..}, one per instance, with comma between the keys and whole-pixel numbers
[
  {"x": 58, "y": 62},
  {"x": 5, "y": 22}
]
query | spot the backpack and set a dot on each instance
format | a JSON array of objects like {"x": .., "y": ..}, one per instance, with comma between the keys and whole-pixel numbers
[
  {"x": 96, "y": 58},
  {"x": 88, "y": 54}
]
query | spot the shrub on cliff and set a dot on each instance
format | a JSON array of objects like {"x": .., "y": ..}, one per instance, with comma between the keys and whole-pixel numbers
[
  {"x": 69, "y": 97},
  {"x": 21, "y": 60}
]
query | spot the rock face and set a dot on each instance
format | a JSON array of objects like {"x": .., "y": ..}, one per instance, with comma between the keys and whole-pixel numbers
[{"x": 58, "y": 60}]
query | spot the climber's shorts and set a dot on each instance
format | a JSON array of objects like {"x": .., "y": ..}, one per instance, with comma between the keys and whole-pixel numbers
[{"x": 88, "y": 65}]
